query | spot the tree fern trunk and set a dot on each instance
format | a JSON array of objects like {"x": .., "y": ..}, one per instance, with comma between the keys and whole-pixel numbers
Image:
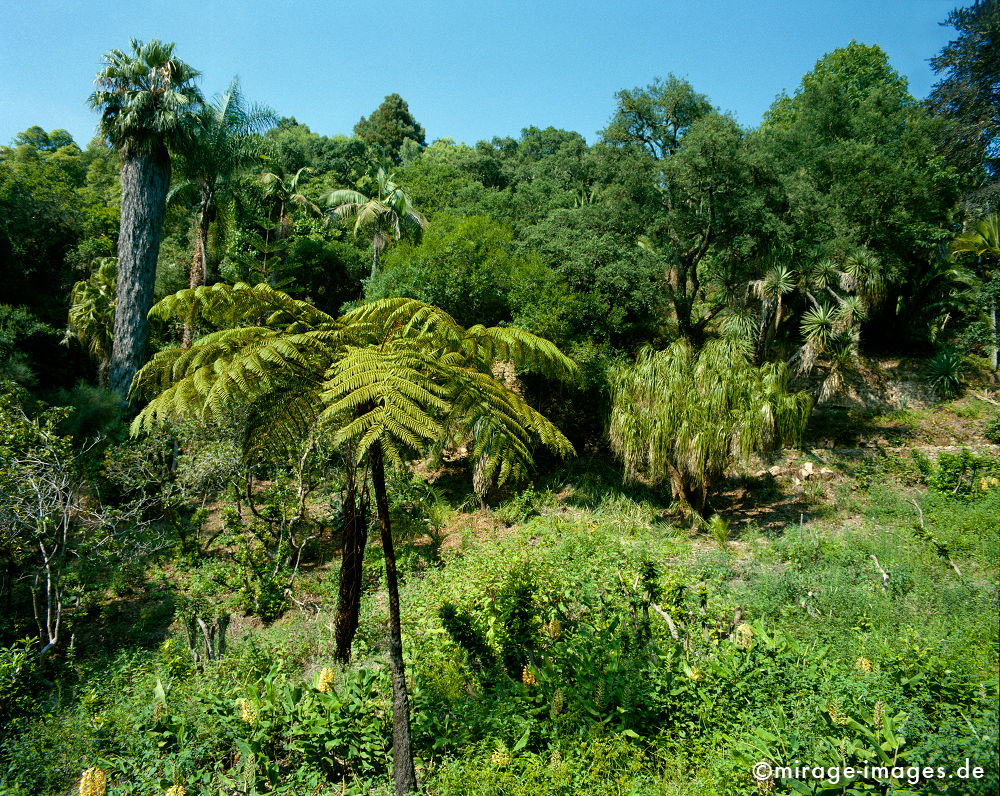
[
  {"x": 145, "y": 179},
  {"x": 351, "y": 569},
  {"x": 403, "y": 772}
]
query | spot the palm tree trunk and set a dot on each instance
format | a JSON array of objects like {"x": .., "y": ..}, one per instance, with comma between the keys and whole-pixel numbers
[
  {"x": 351, "y": 567},
  {"x": 403, "y": 772},
  {"x": 375, "y": 252},
  {"x": 145, "y": 178},
  {"x": 196, "y": 275}
]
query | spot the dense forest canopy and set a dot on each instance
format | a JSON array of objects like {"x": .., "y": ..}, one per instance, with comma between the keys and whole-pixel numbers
[{"x": 248, "y": 371}]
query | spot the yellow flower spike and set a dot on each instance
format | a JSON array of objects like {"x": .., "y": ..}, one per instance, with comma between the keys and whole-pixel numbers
[
  {"x": 501, "y": 757},
  {"x": 863, "y": 665},
  {"x": 878, "y": 715},
  {"x": 528, "y": 676},
  {"x": 558, "y": 702},
  {"x": 324, "y": 684},
  {"x": 94, "y": 782},
  {"x": 248, "y": 713},
  {"x": 744, "y": 635},
  {"x": 176, "y": 790}
]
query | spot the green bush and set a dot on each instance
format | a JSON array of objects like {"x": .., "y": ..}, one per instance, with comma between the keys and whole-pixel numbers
[{"x": 992, "y": 428}]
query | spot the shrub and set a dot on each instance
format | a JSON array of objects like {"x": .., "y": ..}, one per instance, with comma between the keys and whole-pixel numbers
[{"x": 992, "y": 428}]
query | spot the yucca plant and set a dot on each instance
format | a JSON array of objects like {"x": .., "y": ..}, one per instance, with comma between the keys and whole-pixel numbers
[
  {"x": 387, "y": 380},
  {"x": 946, "y": 370}
]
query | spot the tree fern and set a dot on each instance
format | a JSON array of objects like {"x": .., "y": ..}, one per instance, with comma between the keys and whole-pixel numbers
[{"x": 386, "y": 380}]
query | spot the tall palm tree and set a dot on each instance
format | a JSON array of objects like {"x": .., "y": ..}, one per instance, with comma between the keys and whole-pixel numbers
[
  {"x": 287, "y": 192},
  {"x": 385, "y": 380},
  {"x": 387, "y": 216},
  {"x": 146, "y": 98},
  {"x": 222, "y": 147},
  {"x": 983, "y": 240}
]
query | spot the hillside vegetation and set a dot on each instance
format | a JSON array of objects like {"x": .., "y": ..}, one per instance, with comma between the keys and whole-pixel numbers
[{"x": 667, "y": 464}]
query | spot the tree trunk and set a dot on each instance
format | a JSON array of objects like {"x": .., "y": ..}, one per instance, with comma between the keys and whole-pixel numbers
[
  {"x": 145, "y": 178},
  {"x": 196, "y": 275},
  {"x": 351, "y": 568},
  {"x": 694, "y": 496},
  {"x": 995, "y": 331},
  {"x": 375, "y": 253},
  {"x": 403, "y": 772}
]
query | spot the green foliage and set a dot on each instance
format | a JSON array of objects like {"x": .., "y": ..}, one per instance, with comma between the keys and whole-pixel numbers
[
  {"x": 683, "y": 417},
  {"x": 966, "y": 94},
  {"x": 520, "y": 507},
  {"x": 962, "y": 475},
  {"x": 389, "y": 127},
  {"x": 719, "y": 529},
  {"x": 58, "y": 211},
  {"x": 469, "y": 267},
  {"x": 992, "y": 428},
  {"x": 92, "y": 314},
  {"x": 18, "y": 327},
  {"x": 19, "y": 670},
  {"x": 947, "y": 373}
]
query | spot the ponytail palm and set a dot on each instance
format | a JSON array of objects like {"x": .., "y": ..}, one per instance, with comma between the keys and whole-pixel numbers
[
  {"x": 386, "y": 380},
  {"x": 684, "y": 417}
]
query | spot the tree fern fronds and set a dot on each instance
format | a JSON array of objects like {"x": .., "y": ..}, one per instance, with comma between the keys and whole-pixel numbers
[{"x": 223, "y": 305}]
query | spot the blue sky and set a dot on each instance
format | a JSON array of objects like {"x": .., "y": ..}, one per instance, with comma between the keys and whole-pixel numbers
[{"x": 469, "y": 70}]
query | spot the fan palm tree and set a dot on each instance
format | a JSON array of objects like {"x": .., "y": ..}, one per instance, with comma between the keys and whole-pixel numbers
[
  {"x": 222, "y": 147},
  {"x": 386, "y": 217},
  {"x": 983, "y": 240},
  {"x": 146, "y": 98},
  {"x": 92, "y": 314},
  {"x": 385, "y": 380},
  {"x": 683, "y": 417}
]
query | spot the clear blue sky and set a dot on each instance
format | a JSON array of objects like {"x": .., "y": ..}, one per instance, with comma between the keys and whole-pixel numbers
[{"x": 469, "y": 70}]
